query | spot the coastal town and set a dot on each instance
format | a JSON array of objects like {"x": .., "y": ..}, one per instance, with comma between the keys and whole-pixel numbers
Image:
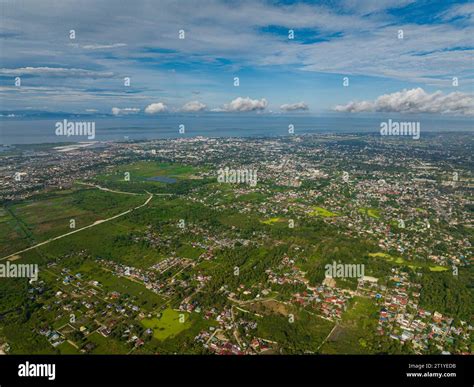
[{"x": 240, "y": 267}]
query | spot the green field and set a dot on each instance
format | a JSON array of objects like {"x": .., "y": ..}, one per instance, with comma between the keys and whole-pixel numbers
[
  {"x": 39, "y": 219},
  {"x": 370, "y": 212},
  {"x": 304, "y": 335},
  {"x": 412, "y": 265},
  {"x": 147, "y": 299},
  {"x": 14, "y": 235},
  {"x": 143, "y": 170},
  {"x": 356, "y": 332},
  {"x": 106, "y": 345},
  {"x": 272, "y": 220},
  {"x": 168, "y": 325},
  {"x": 438, "y": 268},
  {"x": 137, "y": 177},
  {"x": 320, "y": 211},
  {"x": 253, "y": 197},
  {"x": 68, "y": 349},
  {"x": 188, "y": 251}
]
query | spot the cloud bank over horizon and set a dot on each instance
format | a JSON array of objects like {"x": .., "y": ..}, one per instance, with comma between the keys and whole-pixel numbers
[
  {"x": 157, "y": 107},
  {"x": 193, "y": 107},
  {"x": 294, "y": 107},
  {"x": 245, "y": 104},
  {"x": 414, "y": 101},
  {"x": 123, "y": 111},
  {"x": 378, "y": 46}
]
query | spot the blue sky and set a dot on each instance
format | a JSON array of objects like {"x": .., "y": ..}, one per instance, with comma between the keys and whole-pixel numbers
[{"x": 358, "y": 39}]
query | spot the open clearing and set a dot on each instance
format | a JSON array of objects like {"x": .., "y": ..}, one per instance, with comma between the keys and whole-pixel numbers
[
  {"x": 412, "y": 265},
  {"x": 37, "y": 220},
  {"x": 168, "y": 325},
  {"x": 143, "y": 170},
  {"x": 320, "y": 211},
  {"x": 370, "y": 212},
  {"x": 272, "y": 220}
]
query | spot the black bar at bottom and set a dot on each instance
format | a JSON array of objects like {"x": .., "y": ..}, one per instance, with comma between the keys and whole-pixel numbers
[{"x": 241, "y": 370}]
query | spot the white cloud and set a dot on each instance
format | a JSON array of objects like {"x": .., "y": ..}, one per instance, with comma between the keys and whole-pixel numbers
[
  {"x": 355, "y": 107},
  {"x": 289, "y": 107},
  {"x": 426, "y": 55},
  {"x": 122, "y": 111},
  {"x": 348, "y": 38},
  {"x": 193, "y": 106},
  {"x": 158, "y": 107},
  {"x": 56, "y": 72},
  {"x": 364, "y": 7},
  {"x": 465, "y": 11},
  {"x": 415, "y": 101},
  {"x": 102, "y": 46},
  {"x": 245, "y": 105}
]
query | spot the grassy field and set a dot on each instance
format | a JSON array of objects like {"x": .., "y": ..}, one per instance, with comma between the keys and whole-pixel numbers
[
  {"x": 272, "y": 220},
  {"x": 438, "y": 268},
  {"x": 143, "y": 170},
  {"x": 37, "y": 220},
  {"x": 138, "y": 177},
  {"x": 123, "y": 240},
  {"x": 320, "y": 211},
  {"x": 240, "y": 221},
  {"x": 101, "y": 241},
  {"x": 14, "y": 235},
  {"x": 412, "y": 265},
  {"x": 304, "y": 335},
  {"x": 355, "y": 333},
  {"x": 370, "y": 212},
  {"x": 188, "y": 251},
  {"x": 168, "y": 325},
  {"x": 147, "y": 299},
  {"x": 68, "y": 349},
  {"x": 106, "y": 345}
]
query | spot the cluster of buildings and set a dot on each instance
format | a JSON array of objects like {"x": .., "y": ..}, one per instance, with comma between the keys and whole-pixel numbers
[
  {"x": 27, "y": 172},
  {"x": 329, "y": 301},
  {"x": 399, "y": 201},
  {"x": 401, "y": 318}
]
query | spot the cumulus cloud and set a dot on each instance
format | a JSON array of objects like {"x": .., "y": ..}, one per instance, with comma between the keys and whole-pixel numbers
[
  {"x": 122, "y": 111},
  {"x": 158, "y": 107},
  {"x": 193, "y": 106},
  {"x": 245, "y": 105},
  {"x": 290, "y": 107},
  {"x": 357, "y": 38},
  {"x": 57, "y": 72},
  {"x": 355, "y": 107},
  {"x": 415, "y": 101}
]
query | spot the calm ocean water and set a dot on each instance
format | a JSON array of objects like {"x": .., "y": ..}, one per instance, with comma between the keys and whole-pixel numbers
[{"x": 37, "y": 131}]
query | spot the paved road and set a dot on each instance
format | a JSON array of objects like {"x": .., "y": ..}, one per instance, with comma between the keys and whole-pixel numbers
[{"x": 108, "y": 190}]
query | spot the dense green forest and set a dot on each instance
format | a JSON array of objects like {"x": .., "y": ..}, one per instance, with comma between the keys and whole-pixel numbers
[{"x": 448, "y": 294}]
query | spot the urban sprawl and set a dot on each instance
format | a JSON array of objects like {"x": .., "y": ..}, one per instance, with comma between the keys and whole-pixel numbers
[{"x": 149, "y": 247}]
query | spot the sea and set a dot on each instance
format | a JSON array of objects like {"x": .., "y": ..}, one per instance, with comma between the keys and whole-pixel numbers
[{"x": 27, "y": 130}]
